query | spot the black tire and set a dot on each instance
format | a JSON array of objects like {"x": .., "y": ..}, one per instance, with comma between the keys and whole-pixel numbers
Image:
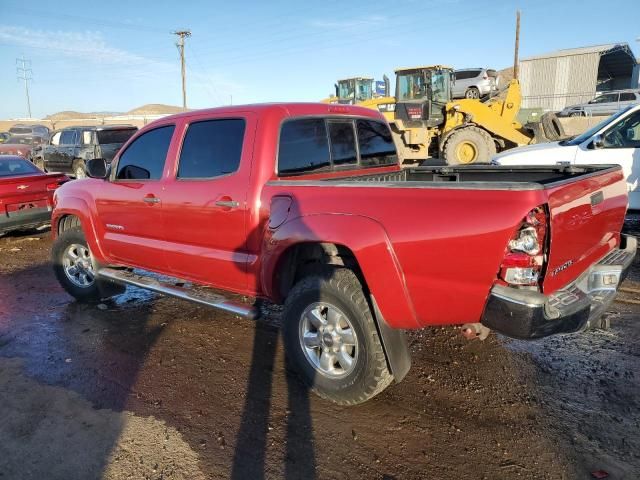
[
  {"x": 79, "y": 169},
  {"x": 469, "y": 139},
  {"x": 552, "y": 127},
  {"x": 537, "y": 132},
  {"x": 337, "y": 288},
  {"x": 89, "y": 294},
  {"x": 472, "y": 93}
]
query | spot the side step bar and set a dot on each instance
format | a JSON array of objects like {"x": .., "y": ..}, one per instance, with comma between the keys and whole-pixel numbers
[{"x": 186, "y": 293}]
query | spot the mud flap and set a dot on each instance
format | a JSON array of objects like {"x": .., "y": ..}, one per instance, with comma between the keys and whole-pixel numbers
[{"x": 395, "y": 345}]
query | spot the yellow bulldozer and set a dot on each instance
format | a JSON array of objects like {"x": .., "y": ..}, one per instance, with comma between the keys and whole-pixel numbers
[{"x": 427, "y": 122}]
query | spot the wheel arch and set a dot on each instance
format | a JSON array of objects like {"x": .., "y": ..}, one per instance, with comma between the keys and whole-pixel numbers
[
  {"x": 329, "y": 239},
  {"x": 74, "y": 213}
]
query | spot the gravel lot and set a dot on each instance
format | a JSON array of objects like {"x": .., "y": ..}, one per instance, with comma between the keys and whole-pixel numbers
[{"x": 152, "y": 387}]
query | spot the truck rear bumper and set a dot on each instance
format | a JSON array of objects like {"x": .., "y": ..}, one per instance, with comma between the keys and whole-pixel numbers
[{"x": 526, "y": 314}]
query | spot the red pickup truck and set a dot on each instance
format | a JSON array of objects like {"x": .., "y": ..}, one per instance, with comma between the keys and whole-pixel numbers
[{"x": 306, "y": 205}]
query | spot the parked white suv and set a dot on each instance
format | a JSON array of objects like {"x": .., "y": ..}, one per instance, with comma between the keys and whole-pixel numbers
[
  {"x": 475, "y": 82},
  {"x": 614, "y": 140}
]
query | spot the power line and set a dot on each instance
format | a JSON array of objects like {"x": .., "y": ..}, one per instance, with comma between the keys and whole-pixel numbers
[
  {"x": 24, "y": 73},
  {"x": 182, "y": 34}
]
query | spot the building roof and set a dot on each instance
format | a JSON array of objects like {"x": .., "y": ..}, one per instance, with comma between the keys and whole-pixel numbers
[{"x": 601, "y": 49}]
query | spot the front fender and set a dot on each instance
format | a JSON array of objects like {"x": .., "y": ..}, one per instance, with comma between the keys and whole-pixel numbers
[
  {"x": 371, "y": 246},
  {"x": 79, "y": 207}
]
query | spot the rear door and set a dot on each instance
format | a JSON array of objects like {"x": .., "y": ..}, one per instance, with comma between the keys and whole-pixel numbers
[
  {"x": 130, "y": 204},
  {"x": 64, "y": 159},
  {"x": 50, "y": 151},
  {"x": 205, "y": 207}
]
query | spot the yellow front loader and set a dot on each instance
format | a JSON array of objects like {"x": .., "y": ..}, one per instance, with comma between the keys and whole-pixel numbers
[{"x": 426, "y": 121}]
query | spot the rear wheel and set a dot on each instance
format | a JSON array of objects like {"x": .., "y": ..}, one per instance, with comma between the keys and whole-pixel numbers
[
  {"x": 469, "y": 145},
  {"x": 472, "y": 92},
  {"x": 331, "y": 337}
]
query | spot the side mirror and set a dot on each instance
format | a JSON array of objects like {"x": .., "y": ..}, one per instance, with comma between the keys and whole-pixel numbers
[
  {"x": 97, "y": 168},
  {"x": 598, "y": 142}
]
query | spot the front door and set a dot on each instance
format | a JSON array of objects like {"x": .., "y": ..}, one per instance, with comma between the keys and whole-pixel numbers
[
  {"x": 205, "y": 209},
  {"x": 130, "y": 203},
  {"x": 621, "y": 145}
]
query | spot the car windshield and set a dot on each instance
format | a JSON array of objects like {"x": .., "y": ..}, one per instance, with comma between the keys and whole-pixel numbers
[
  {"x": 595, "y": 129},
  {"x": 23, "y": 140},
  {"x": 115, "y": 136},
  {"x": 13, "y": 166}
]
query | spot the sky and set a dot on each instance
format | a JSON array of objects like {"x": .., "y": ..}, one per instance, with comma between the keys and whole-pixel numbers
[{"x": 117, "y": 55}]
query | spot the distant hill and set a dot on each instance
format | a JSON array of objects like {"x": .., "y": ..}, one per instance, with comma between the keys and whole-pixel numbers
[
  {"x": 149, "y": 109},
  {"x": 155, "y": 109}
]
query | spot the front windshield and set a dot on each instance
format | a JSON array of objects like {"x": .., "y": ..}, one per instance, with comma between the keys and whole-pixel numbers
[
  {"x": 364, "y": 90},
  {"x": 440, "y": 84},
  {"x": 412, "y": 86},
  {"x": 346, "y": 89},
  {"x": 593, "y": 130}
]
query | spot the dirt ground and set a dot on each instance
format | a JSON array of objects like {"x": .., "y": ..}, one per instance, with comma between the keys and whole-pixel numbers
[{"x": 156, "y": 388}]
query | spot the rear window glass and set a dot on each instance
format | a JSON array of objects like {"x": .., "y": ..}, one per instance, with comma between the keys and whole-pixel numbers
[
  {"x": 106, "y": 137},
  {"x": 16, "y": 166},
  {"x": 24, "y": 140},
  {"x": 211, "y": 148},
  {"x": 304, "y": 146},
  {"x": 20, "y": 130},
  {"x": 466, "y": 74},
  {"x": 343, "y": 143},
  {"x": 376, "y": 144}
]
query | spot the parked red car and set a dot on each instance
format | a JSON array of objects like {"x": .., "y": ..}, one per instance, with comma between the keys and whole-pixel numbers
[
  {"x": 26, "y": 194},
  {"x": 21, "y": 145},
  {"x": 306, "y": 205}
]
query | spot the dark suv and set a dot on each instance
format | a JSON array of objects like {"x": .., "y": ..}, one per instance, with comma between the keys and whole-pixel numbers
[{"x": 68, "y": 149}]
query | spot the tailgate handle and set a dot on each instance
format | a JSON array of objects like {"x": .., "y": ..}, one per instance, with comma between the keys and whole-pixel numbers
[{"x": 597, "y": 198}]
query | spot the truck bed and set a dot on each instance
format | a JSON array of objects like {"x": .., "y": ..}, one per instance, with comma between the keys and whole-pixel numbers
[{"x": 485, "y": 177}]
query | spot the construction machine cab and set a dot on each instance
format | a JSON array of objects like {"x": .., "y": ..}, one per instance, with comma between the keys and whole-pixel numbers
[
  {"x": 422, "y": 94},
  {"x": 354, "y": 90}
]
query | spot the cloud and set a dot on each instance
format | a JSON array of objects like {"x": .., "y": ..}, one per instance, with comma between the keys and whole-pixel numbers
[
  {"x": 87, "y": 45},
  {"x": 351, "y": 24}
]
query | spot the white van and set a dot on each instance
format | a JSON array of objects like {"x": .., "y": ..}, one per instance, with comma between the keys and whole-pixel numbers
[{"x": 615, "y": 140}]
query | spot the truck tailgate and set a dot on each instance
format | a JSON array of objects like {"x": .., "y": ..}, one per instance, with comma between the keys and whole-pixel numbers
[{"x": 586, "y": 218}]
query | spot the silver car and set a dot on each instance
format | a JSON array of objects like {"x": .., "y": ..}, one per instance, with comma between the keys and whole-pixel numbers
[
  {"x": 475, "y": 82},
  {"x": 606, "y": 104}
]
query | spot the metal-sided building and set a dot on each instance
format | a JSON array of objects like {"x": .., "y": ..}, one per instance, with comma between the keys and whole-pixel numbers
[{"x": 571, "y": 76}]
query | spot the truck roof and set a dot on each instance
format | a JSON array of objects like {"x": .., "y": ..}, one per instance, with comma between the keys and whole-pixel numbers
[{"x": 286, "y": 108}]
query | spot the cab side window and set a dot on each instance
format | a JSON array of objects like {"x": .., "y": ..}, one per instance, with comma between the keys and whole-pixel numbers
[
  {"x": 211, "y": 148},
  {"x": 144, "y": 158},
  {"x": 625, "y": 134},
  {"x": 68, "y": 137}
]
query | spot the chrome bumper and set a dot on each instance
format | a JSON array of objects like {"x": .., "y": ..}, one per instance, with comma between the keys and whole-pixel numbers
[{"x": 526, "y": 314}]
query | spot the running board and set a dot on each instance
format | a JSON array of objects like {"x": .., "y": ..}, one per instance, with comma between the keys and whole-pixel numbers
[{"x": 210, "y": 299}]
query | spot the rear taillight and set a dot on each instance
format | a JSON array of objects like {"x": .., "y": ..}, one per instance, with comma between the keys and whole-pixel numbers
[
  {"x": 524, "y": 261},
  {"x": 52, "y": 186}
]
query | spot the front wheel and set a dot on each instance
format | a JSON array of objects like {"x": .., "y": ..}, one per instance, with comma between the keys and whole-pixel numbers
[
  {"x": 469, "y": 145},
  {"x": 79, "y": 170},
  {"x": 331, "y": 337},
  {"x": 472, "y": 93}
]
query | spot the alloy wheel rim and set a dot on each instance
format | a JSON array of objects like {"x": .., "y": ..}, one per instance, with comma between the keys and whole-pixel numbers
[
  {"x": 77, "y": 265},
  {"x": 328, "y": 340}
]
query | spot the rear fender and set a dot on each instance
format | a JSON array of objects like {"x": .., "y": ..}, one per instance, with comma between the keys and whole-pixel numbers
[{"x": 371, "y": 246}]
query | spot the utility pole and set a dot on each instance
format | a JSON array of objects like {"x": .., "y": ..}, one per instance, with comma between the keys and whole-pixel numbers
[
  {"x": 24, "y": 72},
  {"x": 182, "y": 34},
  {"x": 515, "y": 55}
]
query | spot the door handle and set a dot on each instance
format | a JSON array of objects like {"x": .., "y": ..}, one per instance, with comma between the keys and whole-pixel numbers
[
  {"x": 151, "y": 199},
  {"x": 227, "y": 203}
]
